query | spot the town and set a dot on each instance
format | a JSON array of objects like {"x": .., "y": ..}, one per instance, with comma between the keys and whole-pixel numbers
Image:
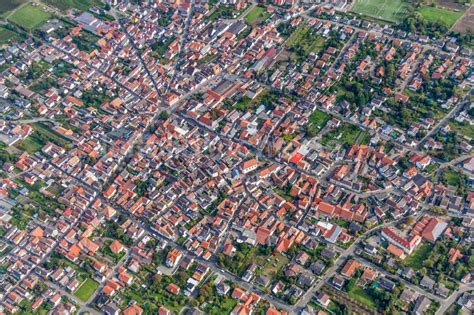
[{"x": 235, "y": 157}]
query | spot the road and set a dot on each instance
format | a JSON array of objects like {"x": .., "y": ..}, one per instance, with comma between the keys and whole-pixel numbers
[
  {"x": 453, "y": 297},
  {"x": 443, "y": 121}
]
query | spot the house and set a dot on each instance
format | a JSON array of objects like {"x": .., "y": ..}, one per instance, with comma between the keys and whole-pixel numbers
[
  {"x": 323, "y": 299},
  {"x": 249, "y": 166},
  {"x": 173, "y": 258},
  {"x": 133, "y": 310},
  {"x": 116, "y": 247},
  {"x": 350, "y": 268},
  {"x": 421, "y": 305},
  {"x": 338, "y": 282},
  {"x": 427, "y": 283},
  {"x": 387, "y": 284},
  {"x": 173, "y": 289}
]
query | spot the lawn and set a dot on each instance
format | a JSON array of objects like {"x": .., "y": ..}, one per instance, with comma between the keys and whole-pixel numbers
[
  {"x": 6, "y": 35},
  {"x": 30, "y": 17},
  {"x": 30, "y": 144},
  {"x": 225, "y": 305},
  {"x": 319, "y": 118},
  {"x": 82, "y": 5},
  {"x": 304, "y": 41},
  {"x": 415, "y": 260},
  {"x": 50, "y": 134},
  {"x": 345, "y": 134},
  {"x": 361, "y": 296},
  {"x": 390, "y": 10},
  {"x": 444, "y": 16},
  {"x": 271, "y": 266},
  {"x": 87, "y": 289},
  {"x": 464, "y": 128},
  {"x": 452, "y": 178},
  {"x": 256, "y": 15}
]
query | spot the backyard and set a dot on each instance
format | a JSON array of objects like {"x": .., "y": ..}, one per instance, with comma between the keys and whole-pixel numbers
[
  {"x": 346, "y": 134},
  {"x": 256, "y": 15},
  {"x": 415, "y": 260},
  {"x": 361, "y": 296},
  {"x": 304, "y": 41}
]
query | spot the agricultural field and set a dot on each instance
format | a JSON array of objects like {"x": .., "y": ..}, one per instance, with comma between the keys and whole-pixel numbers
[
  {"x": 466, "y": 23},
  {"x": 389, "y": 10},
  {"x": 441, "y": 15},
  {"x": 82, "y": 5},
  {"x": 30, "y": 17},
  {"x": 256, "y": 15},
  {"x": 6, "y": 35},
  {"x": 8, "y": 5}
]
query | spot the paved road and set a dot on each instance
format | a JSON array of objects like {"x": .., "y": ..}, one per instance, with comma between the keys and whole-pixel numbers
[
  {"x": 443, "y": 121},
  {"x": 449, "y": 301}
]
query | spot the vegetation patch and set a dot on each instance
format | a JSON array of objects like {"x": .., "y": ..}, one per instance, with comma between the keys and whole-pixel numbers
[
  {"x": 361, "y": 296},
  {"x": 30, "y": 17},
  {"x": 82, "y": 5},
  {"x": 87, "y": 289},
  {"x": 317, "y": 121},
  {"x": 346, "y": 135},
  {"x": 304, "y": 41},
  {"x": 6, "y": 35},
  {"x": 390, "y": 10},
  {"x": 440, "y": 15},
  {"x": 416, "y": 259},
  {"x": 6, "y": 6},
  {"x": 256, "y": 15}
]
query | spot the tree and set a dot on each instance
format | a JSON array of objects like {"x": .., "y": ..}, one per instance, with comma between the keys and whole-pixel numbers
[{"x": 164, "y": 115}]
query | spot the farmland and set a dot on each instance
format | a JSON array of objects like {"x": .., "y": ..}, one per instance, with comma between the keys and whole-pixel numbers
[
  {"x": 82, "y": 5},
  {"x": 6, "y": 35},
  {"x": 441, "y": 15},
  {"x": 7, "y": 6}
]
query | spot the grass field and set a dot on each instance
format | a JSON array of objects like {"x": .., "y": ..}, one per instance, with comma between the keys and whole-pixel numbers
[
  {"x": 30, "y": 17},
  {"x": 463, "y": 129},
  {"x": 303, "y": 41},
  {"x": 453, "y": 178},
  {"x": 444, "y": 16},
  {"x": 6, "y": 35},
  {"x": 86, "y": 290},
  {"x": 271, "y": 267},
  {"x": 345, "y": 134},
  {"x": 256, "y": 15},
  {"x": 415, "y": 260},
  {"x": 361, "y": 296},
  {"x": 82, "y": 5},
  {"x": 390, "y": 10}
]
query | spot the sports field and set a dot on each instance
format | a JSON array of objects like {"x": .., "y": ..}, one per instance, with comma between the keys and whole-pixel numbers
[
  {"x": 30, "y": 16},
  {"x": 390, "y": 10}
]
